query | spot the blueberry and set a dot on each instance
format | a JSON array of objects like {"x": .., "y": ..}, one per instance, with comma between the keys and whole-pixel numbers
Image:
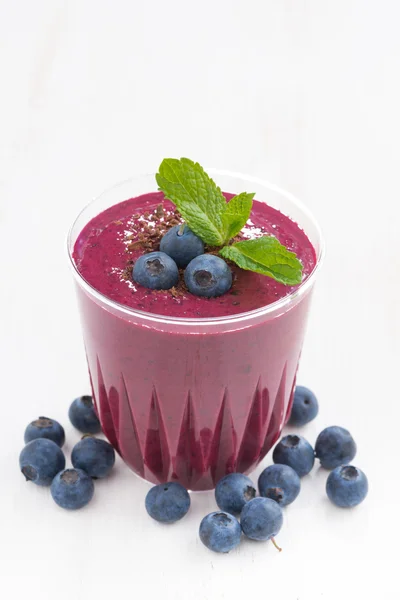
[
  {"x": 72, "y": 489},
  {"x": 167, "y": 502},
  {"x": 261, "y": 519},
  {"x": 208, "y": 275},
  {"x": 45, "y": 428},
  {"x": 220, "y": 531},
  {"x": 305, "y": 406},
  {"x": 296, "y": 452},
  {"x": 346, "y": 486},
  {"x": 156, "y": 271},
  {"x": 335, "y": 447},
  {"x": 83, "y": 416},
  {"x": 233, "y": 491},
  {"x": 280, "y": 483},
  {"x": 181, "y": 246},
  {"x": 95, "y": 457},
  {"x": 41, "y": 460}
]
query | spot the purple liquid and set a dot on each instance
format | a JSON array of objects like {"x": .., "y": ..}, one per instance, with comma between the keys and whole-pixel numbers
[
  {"x": 189, "y": 403},
  {"x": 101, "y": 256}
]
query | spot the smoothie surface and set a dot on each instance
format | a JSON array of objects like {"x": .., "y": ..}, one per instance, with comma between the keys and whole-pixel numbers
[{"x": 107, "y": 247}]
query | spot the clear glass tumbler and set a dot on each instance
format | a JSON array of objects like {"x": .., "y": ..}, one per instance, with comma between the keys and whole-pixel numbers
[{"x": 190, "y": 400}]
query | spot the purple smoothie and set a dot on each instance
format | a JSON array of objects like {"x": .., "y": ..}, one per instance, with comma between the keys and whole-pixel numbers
[{"x": 187, "y": 401}]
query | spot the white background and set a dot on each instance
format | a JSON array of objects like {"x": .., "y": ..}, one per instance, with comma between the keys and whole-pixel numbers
[{"x": 304, "y": 93}]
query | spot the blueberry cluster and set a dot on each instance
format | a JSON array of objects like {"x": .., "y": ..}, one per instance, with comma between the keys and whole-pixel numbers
[
  {"x": 241, "y": 511},
  {"x": 347, "y": 485},
  {"x": 335, "y": 448},
  {"x": 261, "y": 517},
  {"x": 205, "y": 274},
  {"x": 43, "y": 462}
]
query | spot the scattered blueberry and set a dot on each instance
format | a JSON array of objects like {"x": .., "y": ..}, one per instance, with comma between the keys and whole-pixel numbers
[
  {"x": 83, "y": 416},
  {"x": 220, "y": 531},
  {"x": 335, "y": 447},
  {"x": 208, "y": 275},
  {"x": 72, "y": 489},
  {"x": 296, "y": 452},
  {"x": 45, "y": 428},
  {"x": 95, "y": 457},
  {"x": 347, "y": 486},
  {"x": 167, "y": 502},
  {"x": 261, "y": 519},
  {"x": 41, "y": 460},
  {"x": 181, "y": 246},
  {"x": 156, "y": 271},
  {"x": 280, "y": 483},
  {"x": 305, "y": 406},
  {"x": 233, "y": 491}
]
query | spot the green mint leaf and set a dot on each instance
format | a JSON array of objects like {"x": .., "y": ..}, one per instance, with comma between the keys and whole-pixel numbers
[
  {"x": 196, "y": 196},
  {"x": 236, "y": 214},
  {"x": 267, "y": 256}
]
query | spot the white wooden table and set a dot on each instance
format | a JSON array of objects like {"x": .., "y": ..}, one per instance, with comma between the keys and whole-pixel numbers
[{"x": 304, "y": 93}]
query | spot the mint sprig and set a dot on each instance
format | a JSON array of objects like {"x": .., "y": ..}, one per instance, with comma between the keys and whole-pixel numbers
[
  {"x": 237, "y": 214},
  {"x": 216, "y": 221},
  {"x": 266, "y": 255},
  {"x": 196, "y": 196}
]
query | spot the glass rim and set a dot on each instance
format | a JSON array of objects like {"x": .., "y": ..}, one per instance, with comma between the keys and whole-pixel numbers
[{"x": 277, "y": 306}]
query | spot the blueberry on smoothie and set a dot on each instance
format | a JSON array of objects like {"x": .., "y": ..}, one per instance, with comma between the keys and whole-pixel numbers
[
  {"x": 182, "y": 245},
  {"x": 83, "y": 415},
  {"x": 156, "y": 271},
  {"x": 208, "y": 275},
  {"x": 43, "y": 427},
  {"x": 220, "y": 532},
  {"x": 41, "y": 460},
  {"x": 347, "y": 486}
]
